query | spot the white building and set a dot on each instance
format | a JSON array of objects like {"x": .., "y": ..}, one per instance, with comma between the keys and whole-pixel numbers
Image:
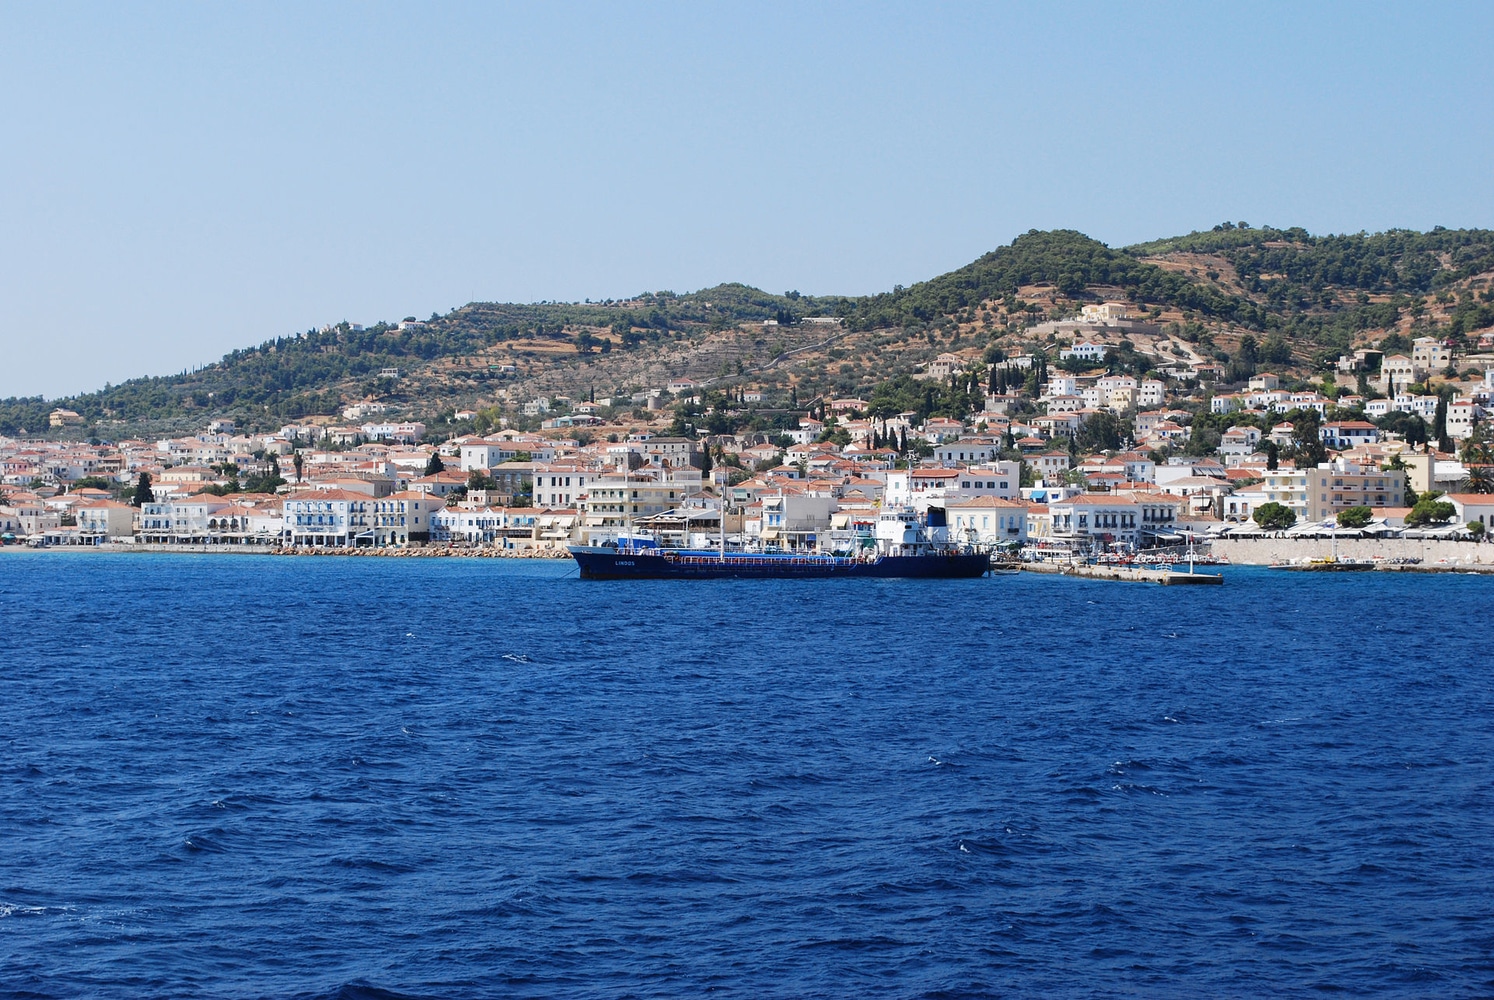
[
  {"x": 104, "y": 519},
  {"x": 988, "y": 521},
  {"x": 1085, "y": 351},
  {"x": 484, "y": 454},
  {"x": 795, "y": 521},
  {"x": 967, "y": 451},
  {"x": 1463, "y": 415},
  {"x": 332, "y": 518},
  {"x": 1106, "y": 519},
  {"x": 561, "y": 485},
  {"x": 923, "y": 488},
  {"x": 407, "y": 432}
]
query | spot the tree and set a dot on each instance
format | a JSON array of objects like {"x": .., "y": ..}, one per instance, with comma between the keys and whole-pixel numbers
[
  {"x": 1274, "y": 516},
  {"x": 1481, "y": 479},
  {"x": 1273, "y": 456},
  {"x": 1307, "y": 440},
  {"x": 1411, "y": 428},
  {"x": 1439, "y": 423},
  {"x": 1101, "y": 432},
  {"x": 1355, "y": 517},
  {"x": 435, "y": 464},
  {"x": 298, "y": 462},
  {"x": 1475, "y": 528},
  {"x": 477, "y": 479},
  {"x": 1430, "y": 510},
  {"x": 263, "y": 484},
  {"x": 143, "y": 492}
]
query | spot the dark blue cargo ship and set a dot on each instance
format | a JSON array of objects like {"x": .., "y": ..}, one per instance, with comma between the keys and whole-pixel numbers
[
  {"x": 902, "y": 546},
  {"x": 604, "y": 563}
]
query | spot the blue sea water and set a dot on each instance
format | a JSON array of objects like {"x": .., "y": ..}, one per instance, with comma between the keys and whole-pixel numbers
[{"x": 271, "y": 777}]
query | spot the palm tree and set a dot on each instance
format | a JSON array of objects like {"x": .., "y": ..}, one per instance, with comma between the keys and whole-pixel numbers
[{"x": 1481, "y": 479}]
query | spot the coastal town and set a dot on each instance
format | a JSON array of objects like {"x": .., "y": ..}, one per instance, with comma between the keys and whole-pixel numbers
[{"x": 1055, "y": 457}]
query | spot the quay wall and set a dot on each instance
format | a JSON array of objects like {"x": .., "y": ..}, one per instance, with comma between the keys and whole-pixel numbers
[
  {"x": 390, "y": 552},
  {"x": 1431, "y": 552}
]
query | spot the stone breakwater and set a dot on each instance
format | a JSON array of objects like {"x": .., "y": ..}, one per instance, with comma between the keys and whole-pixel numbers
[{"x": 1416, "y": 553}]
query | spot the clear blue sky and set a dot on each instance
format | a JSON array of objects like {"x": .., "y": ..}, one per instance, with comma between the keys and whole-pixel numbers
[{"x": 180, "y": 180}]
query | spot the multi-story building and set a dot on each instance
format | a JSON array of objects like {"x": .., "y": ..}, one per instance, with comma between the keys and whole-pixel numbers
[
  {"x": 965, "y": 451},
  {"x": 407, "y": 432},
  {"x": 988, "y": 521},
  {"x": 1085, "y": 351},
  {"x": 1430, "y": 355},
  {"x": 561, "y": 484},
  {"x": 1105, "y": 519},
  {"x": 402, "y": 518},
  {"x": 1239, "y": 443},
  {"x": 1344, "y": 434},
  {"x": 469, "y": 525},
  {"x": 1396, "y": 372},
  {"x": 1341, "y": 483},
  {"x": 484, "y": 454},
  {"x": 1050, "y": 465},
  {"x": 332, "y": 518},
  {"x": 613, "y": 502},
  {"x": 795, "y": 521},
  {"x": 676, "y": 452},
  {"x": 101, "y": 519},
  {"x": 182, "y": 521},
  {"x": 1462, "y": 415},
  {"x": 1287, "y": 487},
  {"x": 933, "y": 487}
]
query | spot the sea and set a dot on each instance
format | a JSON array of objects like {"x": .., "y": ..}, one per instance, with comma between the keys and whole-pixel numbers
[{"x": 258, "y": 776}]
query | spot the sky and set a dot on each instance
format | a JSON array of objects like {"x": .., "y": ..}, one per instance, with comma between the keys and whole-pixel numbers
[{"x": 180, "y": 180}]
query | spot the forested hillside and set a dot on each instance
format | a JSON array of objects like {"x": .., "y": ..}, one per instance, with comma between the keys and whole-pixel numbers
[
  {"x": 292, "y": 377},
  {"x": 1322, "y": 294}
]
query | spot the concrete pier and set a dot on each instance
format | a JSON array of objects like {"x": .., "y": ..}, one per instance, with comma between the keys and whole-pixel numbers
[{"x": 1126, "y": 574}]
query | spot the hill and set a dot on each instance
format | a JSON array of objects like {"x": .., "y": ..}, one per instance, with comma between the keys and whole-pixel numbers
[{"x": 1308, "y": 297}]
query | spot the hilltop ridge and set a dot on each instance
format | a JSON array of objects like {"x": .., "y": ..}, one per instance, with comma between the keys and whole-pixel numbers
[{"x": 1311, "y": 297}]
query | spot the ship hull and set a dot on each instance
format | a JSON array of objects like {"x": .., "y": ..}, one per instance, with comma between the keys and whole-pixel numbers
[{"x": 599, "y": 563}]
